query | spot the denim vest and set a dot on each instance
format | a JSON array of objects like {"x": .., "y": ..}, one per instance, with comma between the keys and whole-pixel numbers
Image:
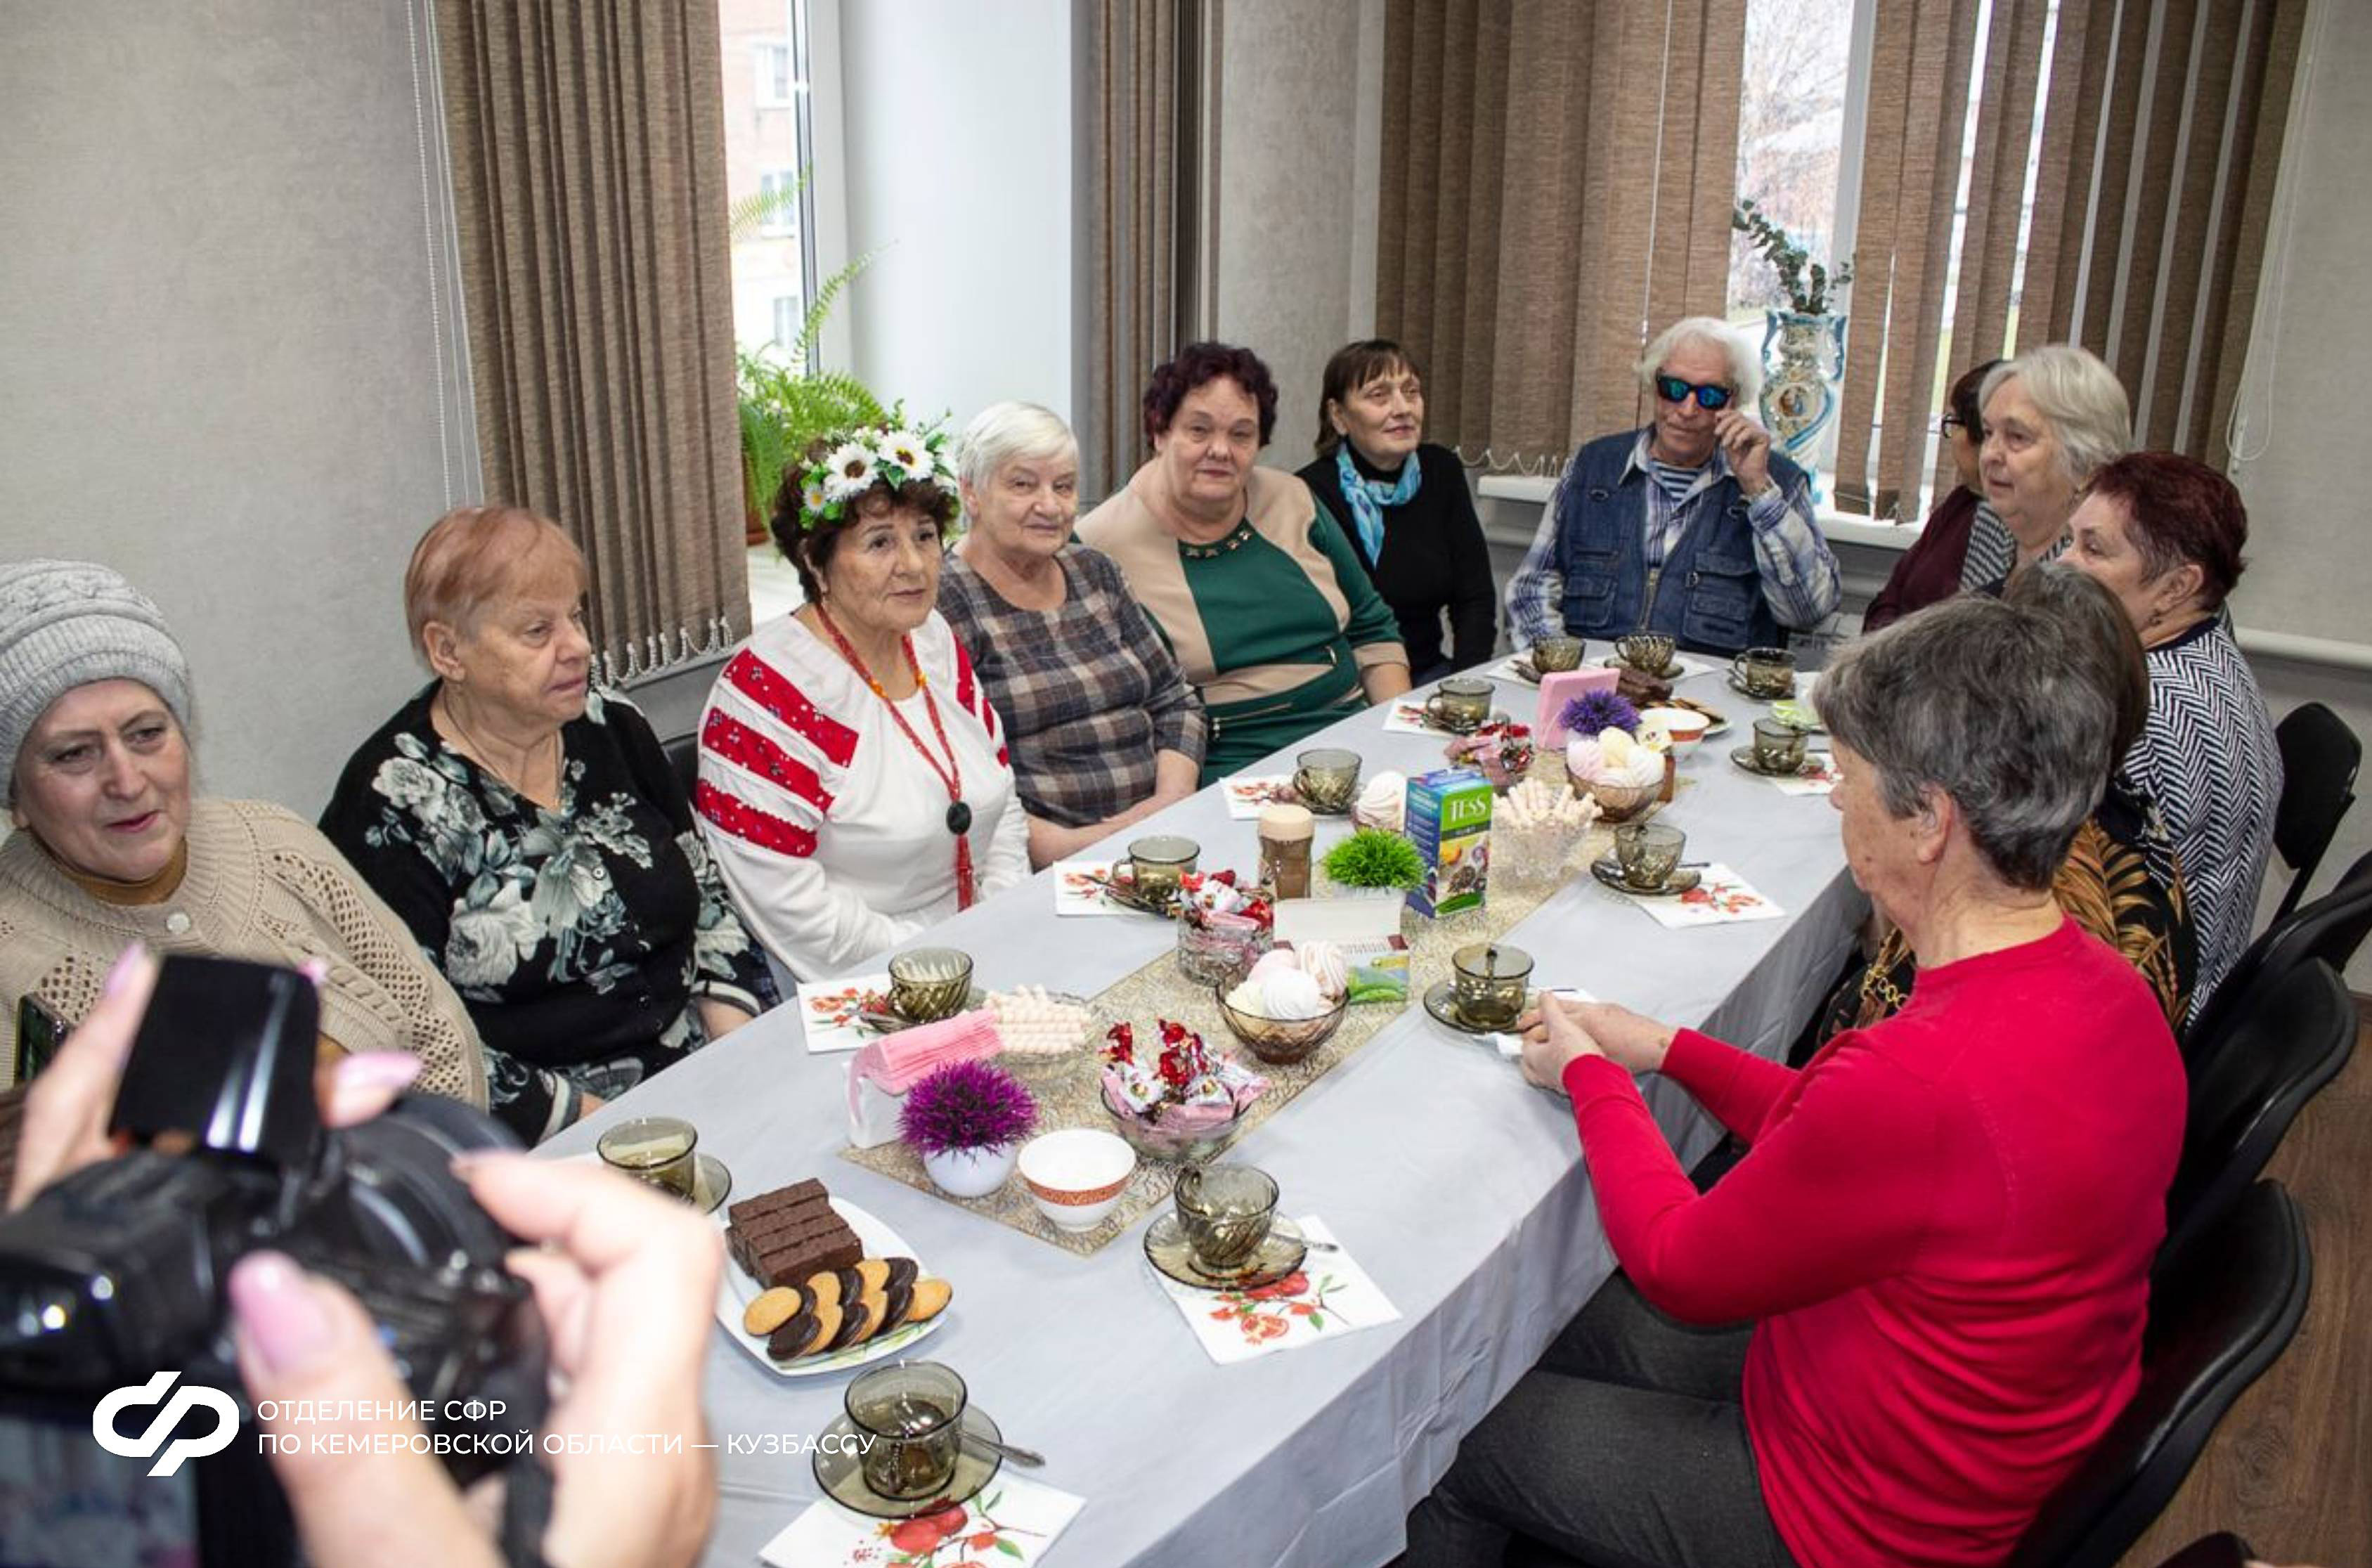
[{"x": 1709, "y": 593}]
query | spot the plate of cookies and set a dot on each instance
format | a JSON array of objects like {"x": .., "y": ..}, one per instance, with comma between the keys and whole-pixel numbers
[{"x": 815, "y": 1284}]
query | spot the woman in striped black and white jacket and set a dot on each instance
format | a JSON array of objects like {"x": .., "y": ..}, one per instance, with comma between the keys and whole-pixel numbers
[{"x": 2164, "y": 534}]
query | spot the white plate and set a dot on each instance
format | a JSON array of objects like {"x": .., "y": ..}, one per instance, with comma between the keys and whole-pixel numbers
[{"x": 736, "y": 1289}]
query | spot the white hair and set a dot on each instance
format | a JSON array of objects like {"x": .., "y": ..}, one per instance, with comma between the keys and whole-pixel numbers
[
  {"x": 2082, "y": 398},
  {"x": 1003, "y": 433},
  {"x": 1745, "y": 369}
]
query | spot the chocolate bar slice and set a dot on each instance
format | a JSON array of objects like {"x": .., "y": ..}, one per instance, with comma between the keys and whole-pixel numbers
[
  {"x": 797, "y": 1194},
  {"x": 794, "y": 1263},
  {"x": 748, "y": 1246}
]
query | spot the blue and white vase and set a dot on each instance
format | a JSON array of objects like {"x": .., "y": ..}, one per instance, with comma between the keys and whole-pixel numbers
[{"x": 1803, "y": 362}]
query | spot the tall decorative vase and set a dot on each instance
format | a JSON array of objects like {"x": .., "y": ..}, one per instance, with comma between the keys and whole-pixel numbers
[{"x": 1803, "y": 361}]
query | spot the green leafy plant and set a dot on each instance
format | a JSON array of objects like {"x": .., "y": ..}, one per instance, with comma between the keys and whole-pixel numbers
[
  {"x": 1373, "y": 857},
  {"x": 787, "y": 401},
  {"x": 1789, "y": 259}
]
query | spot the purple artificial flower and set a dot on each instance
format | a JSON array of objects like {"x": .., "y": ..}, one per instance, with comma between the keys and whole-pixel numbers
[
  {"x": 1595, "y": 711},
  {"x": 966, "y": 1105}
]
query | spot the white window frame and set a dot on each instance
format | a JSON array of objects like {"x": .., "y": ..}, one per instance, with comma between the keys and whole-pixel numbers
[{"x": 789, "y": 311}]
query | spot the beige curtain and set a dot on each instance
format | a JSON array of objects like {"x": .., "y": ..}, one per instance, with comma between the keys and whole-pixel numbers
[
  {"x": 587, "y": 144},
  {"x": 2161, "y": 128},
  {"x": 1557, "y": 178},
  {"x": 1139, "y": 168}
]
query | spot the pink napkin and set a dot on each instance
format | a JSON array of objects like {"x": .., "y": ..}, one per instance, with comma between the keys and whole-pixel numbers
[
  {"x": 1561, "y": 686},
  {"x": 898, "y": 1061}
]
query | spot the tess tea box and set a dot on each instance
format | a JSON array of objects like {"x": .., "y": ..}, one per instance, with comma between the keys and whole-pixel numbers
[{"x": 1448, "y": 820}]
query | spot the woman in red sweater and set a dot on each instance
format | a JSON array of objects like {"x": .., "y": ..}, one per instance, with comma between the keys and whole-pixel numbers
[{"x": 1939, "y": 1239}]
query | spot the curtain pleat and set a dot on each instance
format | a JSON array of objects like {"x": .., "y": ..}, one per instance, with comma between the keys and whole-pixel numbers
[
  {"x": 1557, "y": 182},
  {"x": 1140, "y": 220},
  {"x": 588, "y": 146}
]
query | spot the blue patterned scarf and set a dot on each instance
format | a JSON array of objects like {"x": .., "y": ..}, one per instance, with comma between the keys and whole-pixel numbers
[{"x": 1369, "y": 497}]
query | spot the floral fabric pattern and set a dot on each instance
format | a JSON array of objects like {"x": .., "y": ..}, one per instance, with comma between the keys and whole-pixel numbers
[{"x": 579, "y": 934}]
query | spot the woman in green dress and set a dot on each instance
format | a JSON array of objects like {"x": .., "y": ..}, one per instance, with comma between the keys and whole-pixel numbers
[{"x": 1253, "y": 584}]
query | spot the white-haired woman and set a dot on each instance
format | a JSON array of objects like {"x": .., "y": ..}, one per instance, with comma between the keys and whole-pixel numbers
[
  {"x": 1693, "y": 526},
  {"x": 1102, "y": 725},
  {"x": 2053, "y": 415}
]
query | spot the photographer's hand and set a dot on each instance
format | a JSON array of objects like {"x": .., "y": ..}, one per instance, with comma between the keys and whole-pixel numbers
[{"x": 625, "y": 1296}]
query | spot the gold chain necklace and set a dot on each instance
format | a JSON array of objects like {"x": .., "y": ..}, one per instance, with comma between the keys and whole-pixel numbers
[{"x": 475, "y": 750}]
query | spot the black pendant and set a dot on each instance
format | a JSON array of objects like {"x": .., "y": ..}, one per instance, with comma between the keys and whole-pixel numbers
[{"x": 959, "y": 818}]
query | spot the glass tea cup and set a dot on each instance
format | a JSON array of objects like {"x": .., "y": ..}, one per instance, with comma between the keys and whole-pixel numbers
[
  {"x": 656, "y": 1150},
  {"x": 1778, "y": 747},
  {"x": 1649, "y": 852},
  {"x": 1765, "y": 672},
  {"x": 910, "y": 1416},
  {"x": 1327, "y": 780},
  {"x": 1156, "y": 863},
  {"x": 930, "y": 983},
  {"x": 1459, "y": 705},
  {"x": 1552, "y": 654},
  {"x": 1492, "y": 979},
  {"x": 1226, "y": 1211},
  {"x": 1649, "y": 653}
]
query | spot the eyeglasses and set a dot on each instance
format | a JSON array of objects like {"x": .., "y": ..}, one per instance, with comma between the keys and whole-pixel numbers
[
  {"x": 1710, "y": 396},
  {"x": 1946, "y": 423}
]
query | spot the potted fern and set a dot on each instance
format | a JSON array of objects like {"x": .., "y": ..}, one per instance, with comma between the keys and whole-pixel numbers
[{"x": 787, "y": 401}]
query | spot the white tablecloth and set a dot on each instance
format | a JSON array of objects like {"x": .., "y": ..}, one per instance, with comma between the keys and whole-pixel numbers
[{"x": 1458, "y": 1188}]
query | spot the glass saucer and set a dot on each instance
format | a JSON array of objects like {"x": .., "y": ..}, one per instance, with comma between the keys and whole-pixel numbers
[
  {"x": 1739, "y": 687},
  {"x": 840, "y": 1469},
  {"x": 1443, "y": 726},
  {"x": 712, "y": 1183},
  {"x": 1671, "y": 672},
  {"x": 1166, "y": 1250},
  {"x": 1123, "y": 891},
  {"x": 1744, "y": 757},
  {"x": 1610, "y": 871},
  {"x": 888, "y": 1020},
  {"x": 1441, "y": 1001}
]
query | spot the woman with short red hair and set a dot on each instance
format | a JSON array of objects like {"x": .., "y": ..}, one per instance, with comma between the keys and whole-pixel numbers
[
  {"x": 2163, "y": 533},
  {"x": 526, "y": 827}
]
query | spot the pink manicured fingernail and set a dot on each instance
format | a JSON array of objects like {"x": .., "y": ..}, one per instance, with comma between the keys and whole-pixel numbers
[
  {"x": 317, "y": 971},
  {"x": 281, "y": 1312},
  {"x": 127, "y": 964}
]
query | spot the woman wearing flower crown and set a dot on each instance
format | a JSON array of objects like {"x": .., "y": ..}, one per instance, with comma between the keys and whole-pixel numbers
[{"x": 854, "y": 779}]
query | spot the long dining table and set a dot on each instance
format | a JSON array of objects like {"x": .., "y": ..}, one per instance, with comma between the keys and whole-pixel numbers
[{"x": 1458, "y": 1188}]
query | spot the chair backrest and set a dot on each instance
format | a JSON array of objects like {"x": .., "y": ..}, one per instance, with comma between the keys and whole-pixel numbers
[
  {"x": 2296, "y": 1035},
  {"x": 683, "y": 756},
  {"x": 2320, "y": 756},
  {"x": 2330, "y": 928},
  {"x": 2223, "y": 1307}
]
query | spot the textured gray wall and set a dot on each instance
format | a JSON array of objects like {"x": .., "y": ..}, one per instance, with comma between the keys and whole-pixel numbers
[{"x": 223, "y": 367}]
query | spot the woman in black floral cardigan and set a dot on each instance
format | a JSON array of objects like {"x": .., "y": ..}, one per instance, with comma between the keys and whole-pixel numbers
[{"x": 528, "y": 830}]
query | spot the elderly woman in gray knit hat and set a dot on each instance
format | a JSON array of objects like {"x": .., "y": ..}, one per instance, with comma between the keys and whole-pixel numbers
[{"x": 111, "y": 847}]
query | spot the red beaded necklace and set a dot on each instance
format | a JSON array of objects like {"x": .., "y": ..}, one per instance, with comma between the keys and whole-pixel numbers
[{"x": 958, "y": 816}]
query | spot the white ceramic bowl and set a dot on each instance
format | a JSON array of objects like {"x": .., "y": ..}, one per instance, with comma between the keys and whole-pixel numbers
[
  {"x": 1077, "y": 1176},
  {"x": 1685, "y": 726}
]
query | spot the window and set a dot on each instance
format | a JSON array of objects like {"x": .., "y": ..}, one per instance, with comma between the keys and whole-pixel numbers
[
  {"x": 788, "y": 309},
  {"x": 779, "y": 188},
  {"x": 778, "y": 81}
]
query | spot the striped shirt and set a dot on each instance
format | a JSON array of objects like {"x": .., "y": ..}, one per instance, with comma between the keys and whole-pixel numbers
[
  {"x": 2208, "y": 757},
  {"x": 1800, "y": 582}
]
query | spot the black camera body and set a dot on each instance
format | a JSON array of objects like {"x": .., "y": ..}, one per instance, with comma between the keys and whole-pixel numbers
[{"x": 116, "y": 1273}]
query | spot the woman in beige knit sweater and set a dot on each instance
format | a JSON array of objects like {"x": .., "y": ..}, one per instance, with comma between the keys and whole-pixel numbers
[{"x": 111, "y": 848}]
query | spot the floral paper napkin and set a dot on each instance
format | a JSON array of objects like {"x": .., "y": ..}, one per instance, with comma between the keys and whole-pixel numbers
[
  {"x": 1011, "y": 1522},
  {"x": 1819, "y": 777},
  {"x": 1079, "y": 888},
  {"x": 1407, "y": 718},
  {"x": 1720, "y": 896},
  {"x": 1247, "y": 795},
  {"x": 828, "y": 1008},
  {"x": 1328, "y": 1297}
]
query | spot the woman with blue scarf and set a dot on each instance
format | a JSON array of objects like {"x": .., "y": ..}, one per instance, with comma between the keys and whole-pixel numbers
[{"x": 1405, "y": 503}]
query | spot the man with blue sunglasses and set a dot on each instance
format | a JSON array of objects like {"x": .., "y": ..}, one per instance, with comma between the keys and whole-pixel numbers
[{"x": 1693, "y": 527}]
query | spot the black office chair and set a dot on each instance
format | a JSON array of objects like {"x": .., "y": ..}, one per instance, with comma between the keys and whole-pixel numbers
[
  {"x": 2329, "y": 928},
  {"x": 2297, "y": 1033},
  {"x": 2223, "y": 1307},
  {"x": 2319, "y": 755},
  {"x": 683, "y": 756},
  {"x": 2222, "y": 1549}
]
